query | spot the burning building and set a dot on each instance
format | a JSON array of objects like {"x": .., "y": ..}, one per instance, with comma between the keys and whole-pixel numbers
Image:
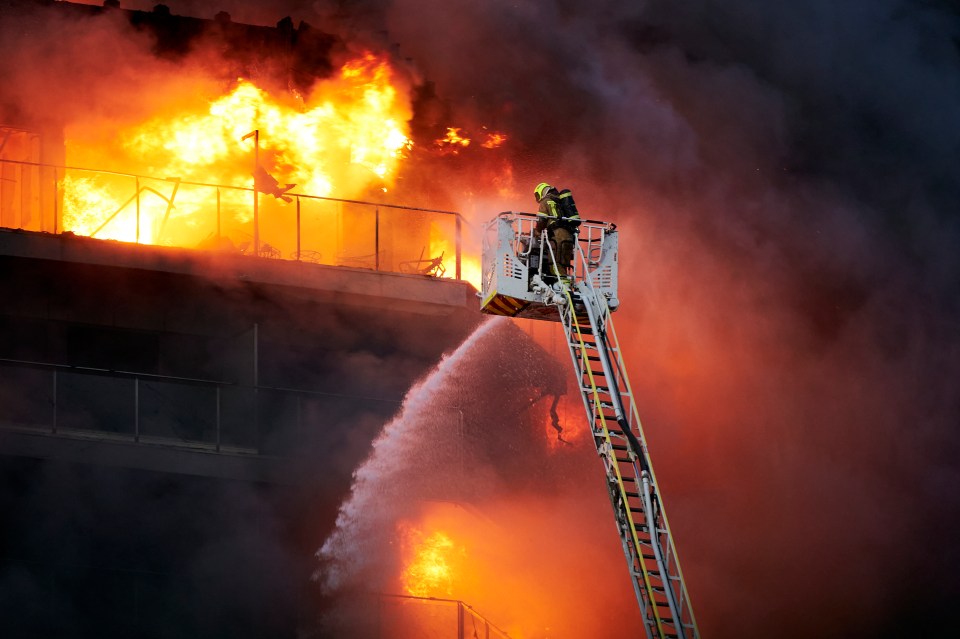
[
  {"x": 212, "y": 304},
  {"x": 784, "y": 174},
  {"x": 191, "y": 368}
]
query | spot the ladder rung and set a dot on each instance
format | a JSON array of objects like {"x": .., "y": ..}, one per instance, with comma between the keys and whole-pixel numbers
[{"x": 600, "y": 389}]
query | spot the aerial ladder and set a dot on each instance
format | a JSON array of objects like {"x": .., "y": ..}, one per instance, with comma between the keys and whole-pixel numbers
[{"x": 520, "y": 280}]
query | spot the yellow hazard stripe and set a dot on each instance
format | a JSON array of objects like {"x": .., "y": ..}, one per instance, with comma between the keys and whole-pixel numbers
[
  {"x": 489, "y": 297},
  {"x": 502, "y": 305}
]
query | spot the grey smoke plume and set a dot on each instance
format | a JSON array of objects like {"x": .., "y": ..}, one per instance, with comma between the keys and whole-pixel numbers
[
  {"x": 785, "y": 179},
  {"x": 784, "y": 176}
]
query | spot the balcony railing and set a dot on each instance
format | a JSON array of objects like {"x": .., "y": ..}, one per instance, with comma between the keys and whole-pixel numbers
[
  {"x": 174, "y": 212},
  {"x": 387, "y": 616},
  {"x": 141, "y": 408}
]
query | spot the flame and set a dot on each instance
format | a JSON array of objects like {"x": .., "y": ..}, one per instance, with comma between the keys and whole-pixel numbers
[
  {"x": 510, "y": 559},
  {"x": 470, "y": 266},
  {"x": 346, "y": 138},
  {"x": 456, "y": 139},
  {"x": 348, "y": 135},
  {"x": 453, "y": 141},
  {"x": 84, "y": 205},
  {"x": 430, "y": 569},
  {"x": 494, "y": 140},
  {"x": 471, "y": 270}
]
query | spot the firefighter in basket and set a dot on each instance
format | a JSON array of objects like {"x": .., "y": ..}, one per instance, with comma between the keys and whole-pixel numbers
[{"x": 559, "y": 217}]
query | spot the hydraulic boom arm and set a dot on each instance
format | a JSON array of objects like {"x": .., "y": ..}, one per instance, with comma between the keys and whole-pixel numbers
[
  {"x": 641, "y": 520},
  {"x": 521, "y": 278}
]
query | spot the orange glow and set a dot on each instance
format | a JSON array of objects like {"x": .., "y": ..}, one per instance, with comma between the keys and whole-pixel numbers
[
  {"x": 453, "y": 141},
  {"x": 86, "y": 207},
  {"x": 571, "y": 419},
  {"x": 348, "y": 135},
  {"x": 535, "y": 565},
  {"x": 429, "y": 570},
  {"x": 470, "y": 270},
  {"x": 494, "y": 140},
  {"x": 442, "y": 242}
]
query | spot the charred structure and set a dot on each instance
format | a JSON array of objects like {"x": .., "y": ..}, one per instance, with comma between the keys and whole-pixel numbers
[
  {"x": 177, "y": 428},
  {"x": 174, "y": 425}
]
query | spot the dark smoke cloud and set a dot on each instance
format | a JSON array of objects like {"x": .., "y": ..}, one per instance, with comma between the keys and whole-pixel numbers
[
  {"x": 785, "y": 179},
  {"x": 784, "y": 176},
  {"x": 61, "y": 67},
  {"x": 92, "y": 551},
  {"x": 87, "y": 549}
]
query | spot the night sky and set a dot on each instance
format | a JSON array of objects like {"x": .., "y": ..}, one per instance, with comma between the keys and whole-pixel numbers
[{"x": 785, "y": 178}]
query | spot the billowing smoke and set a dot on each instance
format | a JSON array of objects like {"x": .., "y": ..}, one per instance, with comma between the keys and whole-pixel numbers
[{"x": 784, "y": 179}]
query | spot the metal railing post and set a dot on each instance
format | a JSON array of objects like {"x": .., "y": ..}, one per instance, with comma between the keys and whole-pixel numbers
[
  {"x": 136, "y": 199},
  {"x": 460, "y": 623},
  {"x": 256, "y": 195},
  {"x": 376, "y": 238},
  {"x": 56, "y": 196},
  {"x": 459, "y": 242},
  {"x": 137, "y": 186}
]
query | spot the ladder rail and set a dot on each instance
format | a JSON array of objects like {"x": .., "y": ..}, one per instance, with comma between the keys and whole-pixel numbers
[
  {"x": 684, "y": 594},
  {"x": 617, "y": 493},
  {"x": 617, "y": 387},
  {"x": 646, "y": 537},
  {"x": 609, "y": 331},
  {"x": 648, "y": 488}
]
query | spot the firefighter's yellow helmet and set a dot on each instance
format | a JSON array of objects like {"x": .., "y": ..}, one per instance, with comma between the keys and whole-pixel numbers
[{"x": 541, "y": 190}]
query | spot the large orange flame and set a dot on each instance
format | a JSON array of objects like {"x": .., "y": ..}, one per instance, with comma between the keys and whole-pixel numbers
[
  {"x": 549, "y": 573},
  {"x": 432, "y": 558},
  {"x": 349, "y": 135}
]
